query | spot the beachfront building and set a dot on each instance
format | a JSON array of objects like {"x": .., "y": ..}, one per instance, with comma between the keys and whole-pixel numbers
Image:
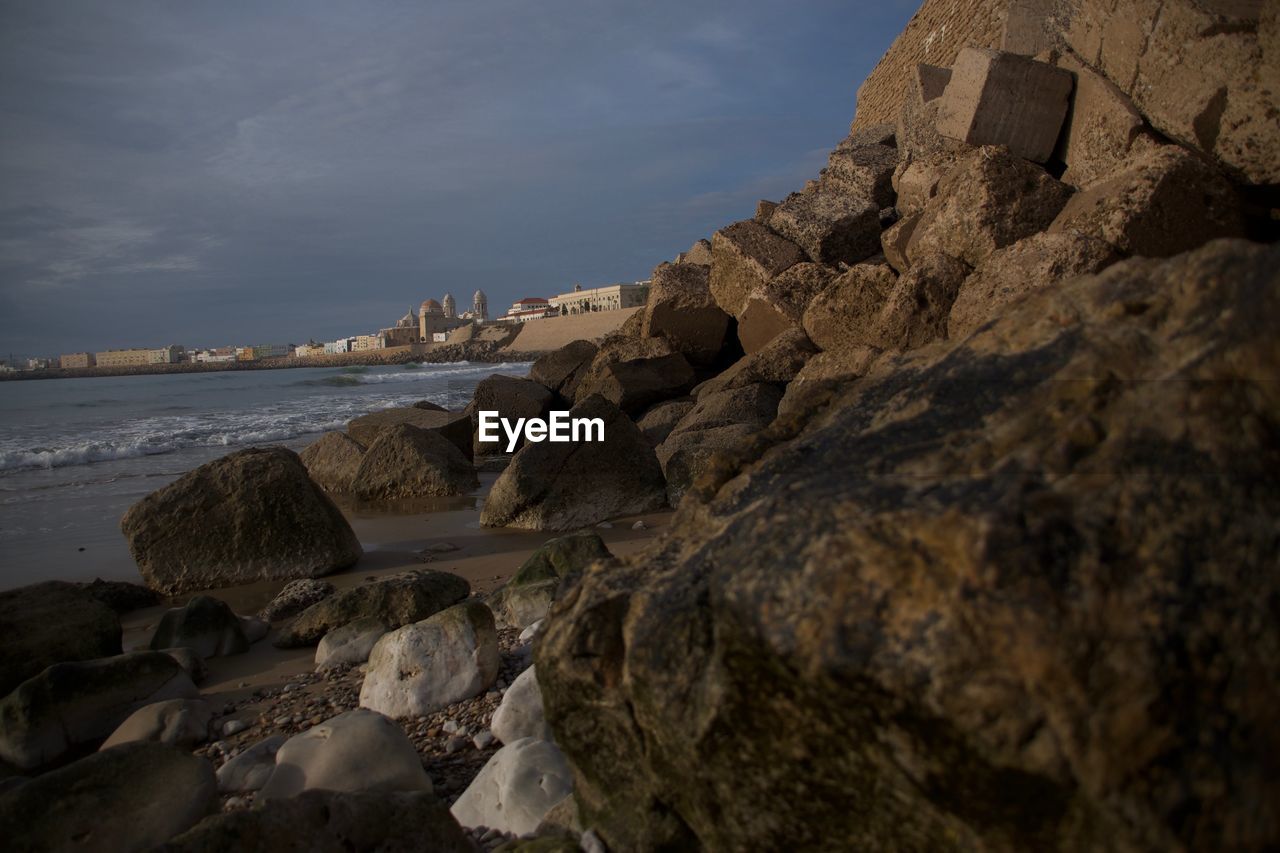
[
  {"x": 216, "y": 355},
  {"x": 612, "y": 297},
  {"x": 529, "y": 308},
  {"x": 78, "y": 359},
  {"x": 135, "y": 357},
  {"x": 433, "y": 319},
  {"x": 365, "y": 343},
  {"x": 339, "y": 346},
  {"x": 308, "y": 350}
]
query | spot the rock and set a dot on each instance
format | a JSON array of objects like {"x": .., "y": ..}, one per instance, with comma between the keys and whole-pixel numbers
[
  {"x": 721, "y": 421},
  {"x": 350, "y": 643},
  {"x": 917, "y": 308},
  {"x": 526, "y": 598},
  {"x": 1039, "y": 261},
  {"x": 205, "y": 625},
  {"x": 832, "y": 226},
  {"x": 86, "y": 806},
  {"x": 895, "y": 241},
  {"x": 120, "y": 596},
  {"x": 251, "y": 769},
  {"x": 681, "y": 310},
  {"x": 357, "y": 751},
  {"x": 930, "y": 82},
  {"x": 253, "y": 515},
  {"x": 1165, "y": 201},
  {"x": 254, "y": 629},
  {"x": 455, "y": 426},
  {"x": 777, "y": 363},
  {"x": 295, "y": 597},
  {"x": 483, "y": 740},
  {"x": 989, "y": 200},
  {"x": 511, "y": 397},
  {"x": 635, "y": 374},
  {"x": 421, "y": 668},
  {"x": 406, "y": 462},
  {"x": 527, "y": 635},
  {"x": 571, "y": 485},
  {"x": 838, "y": 316},
  {"x": 176, "y": 722},
  {"x": 332, "y": 461},
  {"x": 917, "y": 183},
  {"x": 560, "y": 371},
  {"x": 779, "y": 305},
  {"x": 429, "y": 406},
  {"x": 520, "y": 713},
  {"x": 764, "y": 209},
  {"x": 700, "y": 252},
  {"x": 76, "y": 703},
  {"x": 1205, "y": 76},
  {"x": 658, "y": 421},
  {"x": 999, "y": 98},
  {"x": 862, "y": 171},
  {"x": 233, "y": 727},
  {"x": 1101, "y": 129},
  {"x": 744, "y": 256},
  {"x": 190, "y": 661},
  {"x": 332, "y": 822},
  {"x": 50, "y": 622},
  {"x": 1004, "y": 576},
  {"x": 394, "y": 601},
  {"x": 640, "y": 525},
  {"x": 516, "y": 788},
  {"x": 824, "y": 375}
]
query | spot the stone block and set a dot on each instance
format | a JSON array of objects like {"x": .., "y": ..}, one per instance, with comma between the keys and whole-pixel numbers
[
  {"x": 1101, "y": 128},
  {"x": 779, "y": 305},
  {"x": 863, "y": 171},
  {"x": 831, "y": 225},
  {"x": 895, "y": 240},
  {"x": 744, "y": 256}
]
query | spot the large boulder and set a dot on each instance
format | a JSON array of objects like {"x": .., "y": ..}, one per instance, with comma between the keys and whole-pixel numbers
[
  {"x": 74, "y": 704},
  {"x": 527, "y": 597},
  {"x": 520, "y": 714},
  {"x": 250, "y": 516},
  {"x": 839, "y": 315},
  {"x": 778, "y": 306},
  {"x": 564, "y": 486},
  {"x": 120, "y": 596},
  {"x": 987, "y": 201},
  {"x": 779, "y": 362},
  {"x": 423, "y": 667},
  {"x": 176, "y": 722},
  {"x": 50, "y": 622},
  {"x": 745, "y": 256},
  {"x": 394, "y": 601},
  {"x": 681, "y": 309},
  {"x": 832, "y": 226},
  {"x": 1039, "y": 261},
  {"x": 349, "y": 644},
  {"x": 455, "y": 426},
  {"x": 407, "y": 462},
  {"x": 1101, "y": 129},
  {"x": 1013, "y": 592},
  {"x": 561, "y": 370},
  {"x": 824, "y": 376},
  {"x": 126, "y": 799},
  {"x": 332, "y": 822},
  {"x": 915, "y": 311},
  {"x": 1164, "y": 201},
  {"x": 249, "y": 770},
  {"x": 699, "y": 253},
  {"x": 332, "y": 461},
  {"x": 658, "y": 420},
  {"x": 634, "y": 374},
  {"x": 295, "y": 597},
  {"x": 862, "y": 170},
  {"x": 204, "y": 624},
  {"x": 516, "y": 788},
  {"x": 512, "y": 398},
  {"x": 359, "y": 750}
]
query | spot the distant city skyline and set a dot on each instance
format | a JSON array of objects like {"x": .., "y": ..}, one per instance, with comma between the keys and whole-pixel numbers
[{"x": 228, "y": 174}]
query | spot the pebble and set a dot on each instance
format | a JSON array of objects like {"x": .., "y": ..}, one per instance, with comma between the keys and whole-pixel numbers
[
  {"x": 232, "y": 727},
  {"x": 454, "y": 744},
  {"x": 482, "y": 740},
  {"x": 450, "y": 727},
  {"x": 639, "y": 525},
  {"x": 282, "y": 720},
  {"x": 604, "y": 525}
]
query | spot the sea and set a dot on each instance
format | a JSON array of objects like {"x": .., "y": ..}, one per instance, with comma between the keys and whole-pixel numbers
[{"x": 76, "y": 453}]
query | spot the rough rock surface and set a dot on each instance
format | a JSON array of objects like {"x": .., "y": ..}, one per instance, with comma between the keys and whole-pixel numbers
[
  {"x": 560, "y": 371},
  {"x": 406, "y": 462},
  {"x": 988, "y": 200},
  {"x": 526, "y": 598},
  {"x": 779, "y": 305},
  {"x": 396, "y": 600},
  {"x": 1164, "y": 201},
  {"x": 295, "y": 597},
  {"x": 837, "y": 315},
  {"x": 634, "y": 374},
  {"x": 779, "y": 362},
  {"x": 570, "y": 485},
  {"x": 824, "y": 375},
  {"x": 520, "y": 714},
  {"x": 356, "y": 751},
  {"x": 658, "y": 420},
  {"x": 516, "y": 789},
  {"x": 1102, "y": 126},
  {"x": 455, "y": 426},
  {"x": 350, "y": 643},
  {"x": 252, "y": 515},
  {"x": 332, "y": 461},
  {"x": 862, "y": 170},
  {"x": 1039, "y": 261},
  {"x": 176, "y": 722},
  {"x": 831, "y": 226},
  {"x": 77, "y": 703},
  {"x": 681, "y": 309},
  {"x": 700, "y": 252},
  {"x": 204, "y": 624},
  {"x": 511, "y": 397},
  {"x": 120, "y": 596},
  {"x": 50, "y": 622},
  {"x": 250, "y": 769},
  {"x": 126, "y": 799},
  {"x": 744, "y": 256},
  {"x": 916, "y": 309},
  {"x": 1023, "y": 588},
  {"x": 332, "y": 822}
]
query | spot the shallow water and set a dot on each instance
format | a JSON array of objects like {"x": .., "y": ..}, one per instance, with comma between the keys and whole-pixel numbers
[{"x": 76, "y": 453}]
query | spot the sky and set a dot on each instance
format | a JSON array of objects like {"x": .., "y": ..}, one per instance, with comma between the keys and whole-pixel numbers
[{"x": 275, "y": 171}]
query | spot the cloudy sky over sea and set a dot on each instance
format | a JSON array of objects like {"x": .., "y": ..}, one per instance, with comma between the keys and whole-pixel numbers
[{"x": 254, "y": 172}]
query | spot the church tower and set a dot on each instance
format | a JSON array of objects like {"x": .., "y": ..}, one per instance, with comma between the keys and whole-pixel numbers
[
  {"x": 450, "y": 307},
  {"x": 480, "y": 305}
]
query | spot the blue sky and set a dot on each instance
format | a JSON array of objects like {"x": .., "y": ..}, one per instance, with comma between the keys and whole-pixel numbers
[{"x": 249, "y": 172}]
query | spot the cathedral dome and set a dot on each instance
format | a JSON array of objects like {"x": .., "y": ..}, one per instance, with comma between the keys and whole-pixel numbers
[{"x": 432, "y": 307}]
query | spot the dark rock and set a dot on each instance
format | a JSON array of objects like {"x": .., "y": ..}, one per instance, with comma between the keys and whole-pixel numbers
[
  {"x": 744, "y": 256},
  {"x": 455, "y": 426},
  {"x": 204, "y": 624},
  {"x": 839, "y": 316},
  {"x": 526, "y": 598},
  {"x": 332, "y": 461},
  {"x": 658, "y": 420},
  {"x": 633, "y": 375},
  {"x": 862, "y": 171},
  {"x": 832, "y": 226},
  {"x": 295, "y": 597},
  {"x": 562, "y": 370},
  {"x": 512, "y": 398},
  {"x": 120, "y": 596},
  {"x": 681, "y": 309},
  {"x": 778, "y": 306},
  {"x": 429, "y": 406},
  {"x": 50, "y": 622},
  {"x": 407, "y": 462},
  {"x": 777, "y": 363}
]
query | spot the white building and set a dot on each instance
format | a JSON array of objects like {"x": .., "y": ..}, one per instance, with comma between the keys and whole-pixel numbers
[{"x": 612, "y": 297}]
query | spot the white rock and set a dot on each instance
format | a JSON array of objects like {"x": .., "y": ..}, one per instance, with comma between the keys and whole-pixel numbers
[
  {"x": 482, "y": 740},
  {"x": 450, "y": 727},
  {"x": 350, "y": 643},
  {"x": 233, "y": 727},
  {"x": 251, "y": 769},
  {"x": 516, "y": 788},
  {"x": 520, "y": 713},
  {"x": 639, "y": 525},
  {"x": 423, "y": 667},
  {"x": 177, "y": 722},
  {"x": 254, "y": 629},
  {"x": 357, "y": 751},
  {"x": 529, "y": 633},
  {"x": 605, "y": 525}
]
